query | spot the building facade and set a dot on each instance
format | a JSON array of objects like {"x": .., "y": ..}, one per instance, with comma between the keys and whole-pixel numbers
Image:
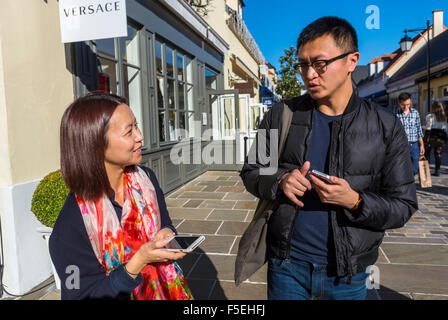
[
  {"x": 382, "y": 69},
  {"x": 173, "y": 67}
]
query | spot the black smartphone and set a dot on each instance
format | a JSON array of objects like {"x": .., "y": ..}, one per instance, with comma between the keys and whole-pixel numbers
[{"x": 322, "y": 176}]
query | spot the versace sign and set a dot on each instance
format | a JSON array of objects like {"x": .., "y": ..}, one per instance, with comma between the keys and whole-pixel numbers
[{"x": 83, "y": 20}]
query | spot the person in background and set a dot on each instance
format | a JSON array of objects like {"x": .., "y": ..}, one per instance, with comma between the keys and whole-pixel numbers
[
  {"x": 410, "y": 119},
  {"x": 438, "y": 130},
  {"x": 114, "y": 222}
]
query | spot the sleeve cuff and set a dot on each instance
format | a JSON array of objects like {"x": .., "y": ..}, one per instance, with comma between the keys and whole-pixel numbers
[
  {"x": 269, "y": 184},
  {"x": 121, "y": 281}
]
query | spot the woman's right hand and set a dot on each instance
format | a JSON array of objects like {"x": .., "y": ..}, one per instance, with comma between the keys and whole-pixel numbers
[{"x": 151, "y": 252}]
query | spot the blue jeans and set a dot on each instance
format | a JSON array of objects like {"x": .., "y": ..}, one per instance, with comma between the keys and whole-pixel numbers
[
  {"x": 414, "y": 148},
  {"x": 292, "y": 279}
]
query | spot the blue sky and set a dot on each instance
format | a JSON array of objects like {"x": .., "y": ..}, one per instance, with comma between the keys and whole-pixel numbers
[{"x": 276, "y": 24}]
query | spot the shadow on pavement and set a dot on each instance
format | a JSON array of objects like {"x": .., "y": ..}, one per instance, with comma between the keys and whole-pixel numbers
[
  {"x": 434, "y": 189},
  {"x": 389, "y": 294},
  {"x": 202, "y": 276}
]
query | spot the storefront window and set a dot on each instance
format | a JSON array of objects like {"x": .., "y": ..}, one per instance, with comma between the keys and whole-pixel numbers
[
  {"x": 107, "y": 75},
  {"x": 181, "y": 95},
  {"x": 180, "y": 67},
  {"x": 161, "y": 106},
  {"x": 162, "y": 121},
  {"x": 107, "y": 66},
  {"x": 169, "y": 62},
  {"x": 175, "y": 75},
  {"x": 171, "y": 102},
  {"x": 129, "y": 65},
  {"x": 130, "y": 48},
  {"x": 210, "y": 79},
  {"x": 130, "y": 45},
  {"x": 106, "y": 48},
  {"x": 189, "y": 72},
  {"x": 172, "y": 125},
  {"x": 159, "y": 58}
]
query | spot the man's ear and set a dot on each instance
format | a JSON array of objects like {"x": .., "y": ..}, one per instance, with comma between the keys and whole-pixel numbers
[{"x": 353, "y": 61}]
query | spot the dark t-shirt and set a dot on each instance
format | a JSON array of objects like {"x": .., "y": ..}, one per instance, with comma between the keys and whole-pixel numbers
[
  {"x": 312, "y": 238},
  {"x": 71, "y": 251}
]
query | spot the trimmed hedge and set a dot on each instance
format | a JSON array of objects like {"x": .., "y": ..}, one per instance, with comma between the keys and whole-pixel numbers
[{"x": 49, "y": 197}]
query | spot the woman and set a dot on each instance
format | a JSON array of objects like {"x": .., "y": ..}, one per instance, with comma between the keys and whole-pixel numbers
[
  {"x": 107, "y": 240},
  {"x": 436, "y": 123}
]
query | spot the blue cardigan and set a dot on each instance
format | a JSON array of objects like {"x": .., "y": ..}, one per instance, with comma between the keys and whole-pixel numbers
[{"x": 71, "y": 250}]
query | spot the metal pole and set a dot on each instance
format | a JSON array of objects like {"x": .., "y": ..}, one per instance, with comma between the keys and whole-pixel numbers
[{"x": 428, "y": 71}]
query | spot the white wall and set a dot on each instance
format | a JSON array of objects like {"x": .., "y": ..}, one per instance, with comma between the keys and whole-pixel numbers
[
  {"x": 35, "y": 89},
  {"x": 27, "y": 261}
]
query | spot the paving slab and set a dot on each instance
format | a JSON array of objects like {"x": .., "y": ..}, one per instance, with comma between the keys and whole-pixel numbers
[
  {"x": 189, "y": 213},
  {"x": 416, "y": 254},
  {"x": 228, "y": 215},
  {"x": 175, "y": 203},
  {"x": 217, "y": 183},
  {"x": 218, "y": 204},
  {"x": 233, "y": 228},
  {"x": 417, "y": 296},
  {"x": 414, "y": 278},
  {"x": 192, "y": 203},
  {"x": 199, "y": 227},
  {"x": 201, "y": 195},
  {"x": 188, "y": 262},
  {"x": 200, "y": 288},
  {"x": 246, "y": 205},
  {"x": 232, "y": 189},
  {"x": 241, "y": 196},
  {"x": 212, "y": 266},
  {"x": 218, "y": 244}
]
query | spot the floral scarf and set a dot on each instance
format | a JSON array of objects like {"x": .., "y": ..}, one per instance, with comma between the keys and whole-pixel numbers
[{"x": 115, "y": 242}]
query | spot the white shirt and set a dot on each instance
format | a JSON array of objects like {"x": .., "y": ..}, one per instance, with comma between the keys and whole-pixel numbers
[{"x": 432, "y": 123}]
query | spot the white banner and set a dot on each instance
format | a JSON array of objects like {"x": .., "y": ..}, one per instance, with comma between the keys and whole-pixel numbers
[{"x": 83, "y": 20}]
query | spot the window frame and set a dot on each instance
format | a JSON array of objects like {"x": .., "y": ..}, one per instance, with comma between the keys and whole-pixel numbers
[{"x": 187, "y": 82}]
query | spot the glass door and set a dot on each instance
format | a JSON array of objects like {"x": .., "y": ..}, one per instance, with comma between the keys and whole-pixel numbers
[{"x": 223, "y": 128}]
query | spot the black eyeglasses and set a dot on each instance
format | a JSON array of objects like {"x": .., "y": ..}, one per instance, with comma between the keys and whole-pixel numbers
[{"x": 320, "y": 66}]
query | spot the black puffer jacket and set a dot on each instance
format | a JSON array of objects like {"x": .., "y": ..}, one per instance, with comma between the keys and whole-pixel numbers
[{"x": 370, "y": 150}]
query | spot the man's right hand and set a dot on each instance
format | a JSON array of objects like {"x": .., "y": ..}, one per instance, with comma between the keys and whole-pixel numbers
[{"x": 295, "y": 184}]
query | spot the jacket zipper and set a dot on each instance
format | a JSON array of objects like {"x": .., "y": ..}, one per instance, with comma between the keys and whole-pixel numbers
[
  {"x": 336, "y": 231},
  {"x": 341, "y": 175},
  {"x": 297, "y": 209}
]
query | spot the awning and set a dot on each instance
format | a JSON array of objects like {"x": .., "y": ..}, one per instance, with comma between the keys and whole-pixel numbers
[{"x": 243, "y": 67}]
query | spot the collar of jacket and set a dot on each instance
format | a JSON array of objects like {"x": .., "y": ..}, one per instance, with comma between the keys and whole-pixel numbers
[{"x": 306, "y": 103}]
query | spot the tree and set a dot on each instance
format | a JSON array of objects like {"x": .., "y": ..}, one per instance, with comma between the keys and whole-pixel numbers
[{"x": 288, "y": 85}]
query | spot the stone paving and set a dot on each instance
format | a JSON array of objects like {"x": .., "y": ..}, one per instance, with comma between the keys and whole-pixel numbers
[{"x": 413, "y": 261}]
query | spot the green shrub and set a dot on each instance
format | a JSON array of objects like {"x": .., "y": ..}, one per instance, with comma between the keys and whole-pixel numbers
[{"x": 49, "y": 197}]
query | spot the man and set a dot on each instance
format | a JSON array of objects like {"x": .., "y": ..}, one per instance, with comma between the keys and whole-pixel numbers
[
  {"x": 322, "y": 237},
  {"x": 410, "y": 119}
]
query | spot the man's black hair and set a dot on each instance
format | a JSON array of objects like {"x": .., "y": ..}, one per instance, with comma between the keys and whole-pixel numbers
[
  {"x": 342, "y": 31},
  {"x": 404, "y": 96}
]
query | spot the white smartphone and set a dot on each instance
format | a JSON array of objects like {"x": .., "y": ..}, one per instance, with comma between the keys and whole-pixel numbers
[
  {"x": 184, "y": 243},
  {"x": 321, "y": 175}
]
